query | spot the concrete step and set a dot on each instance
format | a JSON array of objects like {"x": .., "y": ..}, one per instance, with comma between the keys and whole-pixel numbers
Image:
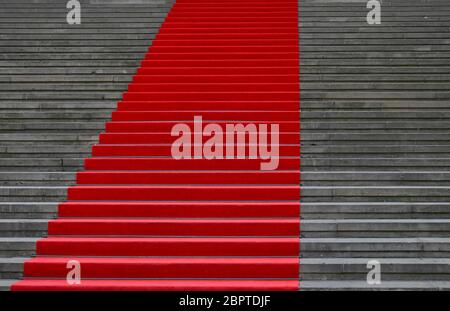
[
  {"x": 374, "y": 228},
  {"x": 66, "y": 115},
  {"x": 76, "y": 78},
  {"x": 61, "y": 86},
  {"x": 66, "y": 70},
  {"x": 371, "y": 151},
  {"x": 45, "y": 151},
  {"x": 13, "y": 138},
  {"x": 17, "y": 247},
  {"x": 40, "y": 164},
  {"x": 361, "y": 116},
  {"x": 374, "y": 104},
  {"x": 310, "y": 228},
  {"x": 49, "y": 95},
  {"x": 28, "y": 210},
  {"x": 375, "y": 247},
  {"x": 370, "y": 62},
  {"x": 374, "y": 164},
  {"x": 23, "y": 228},
  {"x": 54, "y": 105},
  {"x": 376, "y": 54},
  {"x": 52, "y": 127},
  {"x": 311, "y": 247},
  {"x": 370, "y": 48},
  {"x": 354, "y": 138},
  {"x": 77, "y": 37},
  {"x": 392, "y": 269},
  {"x": 368, "y": 178},
  {"x": 355, "y": 88},
  {"x": 32, "y": 194},
  {"x": 309, "y": 194},
  {"x": 386, "y": 127},
  {"x": 148, "y": 24},
  {"x": 384, "y": 286},
  {"x": 363, "y": 210},
  {"x": 375, "y": 193},
  {"x": 375, "y": 210},
  {"x": 70, "y": 152},
  {"x": 308, "y": 179},
  {"x": 36, "y": 178},
  {"x": 6, "y": 284},
  {"x": 346, "y": 269}
]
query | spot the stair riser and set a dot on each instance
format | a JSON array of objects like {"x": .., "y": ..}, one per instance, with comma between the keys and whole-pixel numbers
[
  {"x": 160, "y": 150},
  {"x": 308, "y": 272},
  {"x": 222, "y": 56},
  {"x": 277, "y": 247},
  {"x": 180, "y": 13},
  {"x": 27, "y": 215},
  {"x": 219, "y": 105},
  {"x": 376, "y": 254},
  {"x": 17, "y": 253},
  {"x": 376, "y": 234},
  {"x": 166, "y": 127},
  {"x": 235, "y": 116},
  {"x": 224, "y": 49},
  {"x": 366, "y": 215},
  {"x": 282, "y": 178},
  {"x": 175, "y": 228},
  {"x": 159, "y": 285},
  {"x": 211, "y": 96},
  {"x": 218, "y": 70},
  {"x": 24, "y": 233},
  {"x": 165, "y": 270},
  {"x": 167, "y": 138},
  {"x": 182, "y": 210},
  {"x": 339, "y": 276},
  {"x": 210, "y": 87},
  {"x": 185, "y": 164},
  {"x": 231, "y": 20},
  {"x": 281, "y": 193}
]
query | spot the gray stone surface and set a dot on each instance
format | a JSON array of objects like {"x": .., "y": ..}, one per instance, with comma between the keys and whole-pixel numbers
[
  {"x": 384, "y": 286},
  {"x": 375, "y": 105}
]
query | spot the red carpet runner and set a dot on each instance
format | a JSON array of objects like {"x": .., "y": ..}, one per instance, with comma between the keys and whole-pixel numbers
[{"x": 139, "y": 219}]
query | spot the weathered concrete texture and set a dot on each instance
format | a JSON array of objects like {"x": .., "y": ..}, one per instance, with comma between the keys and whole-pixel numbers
[
  {"x": 375, "y": 108},
  {"x": 384, "y": 286},
  {"x": 58, "y": 85}
]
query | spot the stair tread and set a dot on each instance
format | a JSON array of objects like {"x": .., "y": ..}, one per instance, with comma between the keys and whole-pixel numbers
[
  {"x": 386, "y": 285},
  {"x": 159, "y": 285}
]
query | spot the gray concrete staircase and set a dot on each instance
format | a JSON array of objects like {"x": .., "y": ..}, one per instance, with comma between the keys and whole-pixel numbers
[
  {"x": 375, "y": 144},
  {"x": 58, "y": 85},
  {"x": 375, "y": 109}
]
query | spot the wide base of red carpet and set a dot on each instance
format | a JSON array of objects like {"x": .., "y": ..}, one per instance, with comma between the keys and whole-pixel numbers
[{"x": 139, "y": 220}]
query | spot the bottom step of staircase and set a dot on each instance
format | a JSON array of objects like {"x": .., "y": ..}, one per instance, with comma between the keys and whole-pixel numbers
[
  {"x": 158, "y": 285},
  {"x": 362, "y": 285},
  {"x": 218, "y": 285},
  {"x": 5, "y": 285}
]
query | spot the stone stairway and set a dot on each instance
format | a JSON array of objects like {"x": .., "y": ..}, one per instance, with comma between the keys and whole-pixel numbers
[
  {"x": 58, "y": 85},
  {"x": 375, "y": 108},
  {"x": 375, "y": 144}
]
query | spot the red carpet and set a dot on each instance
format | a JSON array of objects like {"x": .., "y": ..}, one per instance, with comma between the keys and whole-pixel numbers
[{"x": 138, "y": 219}]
